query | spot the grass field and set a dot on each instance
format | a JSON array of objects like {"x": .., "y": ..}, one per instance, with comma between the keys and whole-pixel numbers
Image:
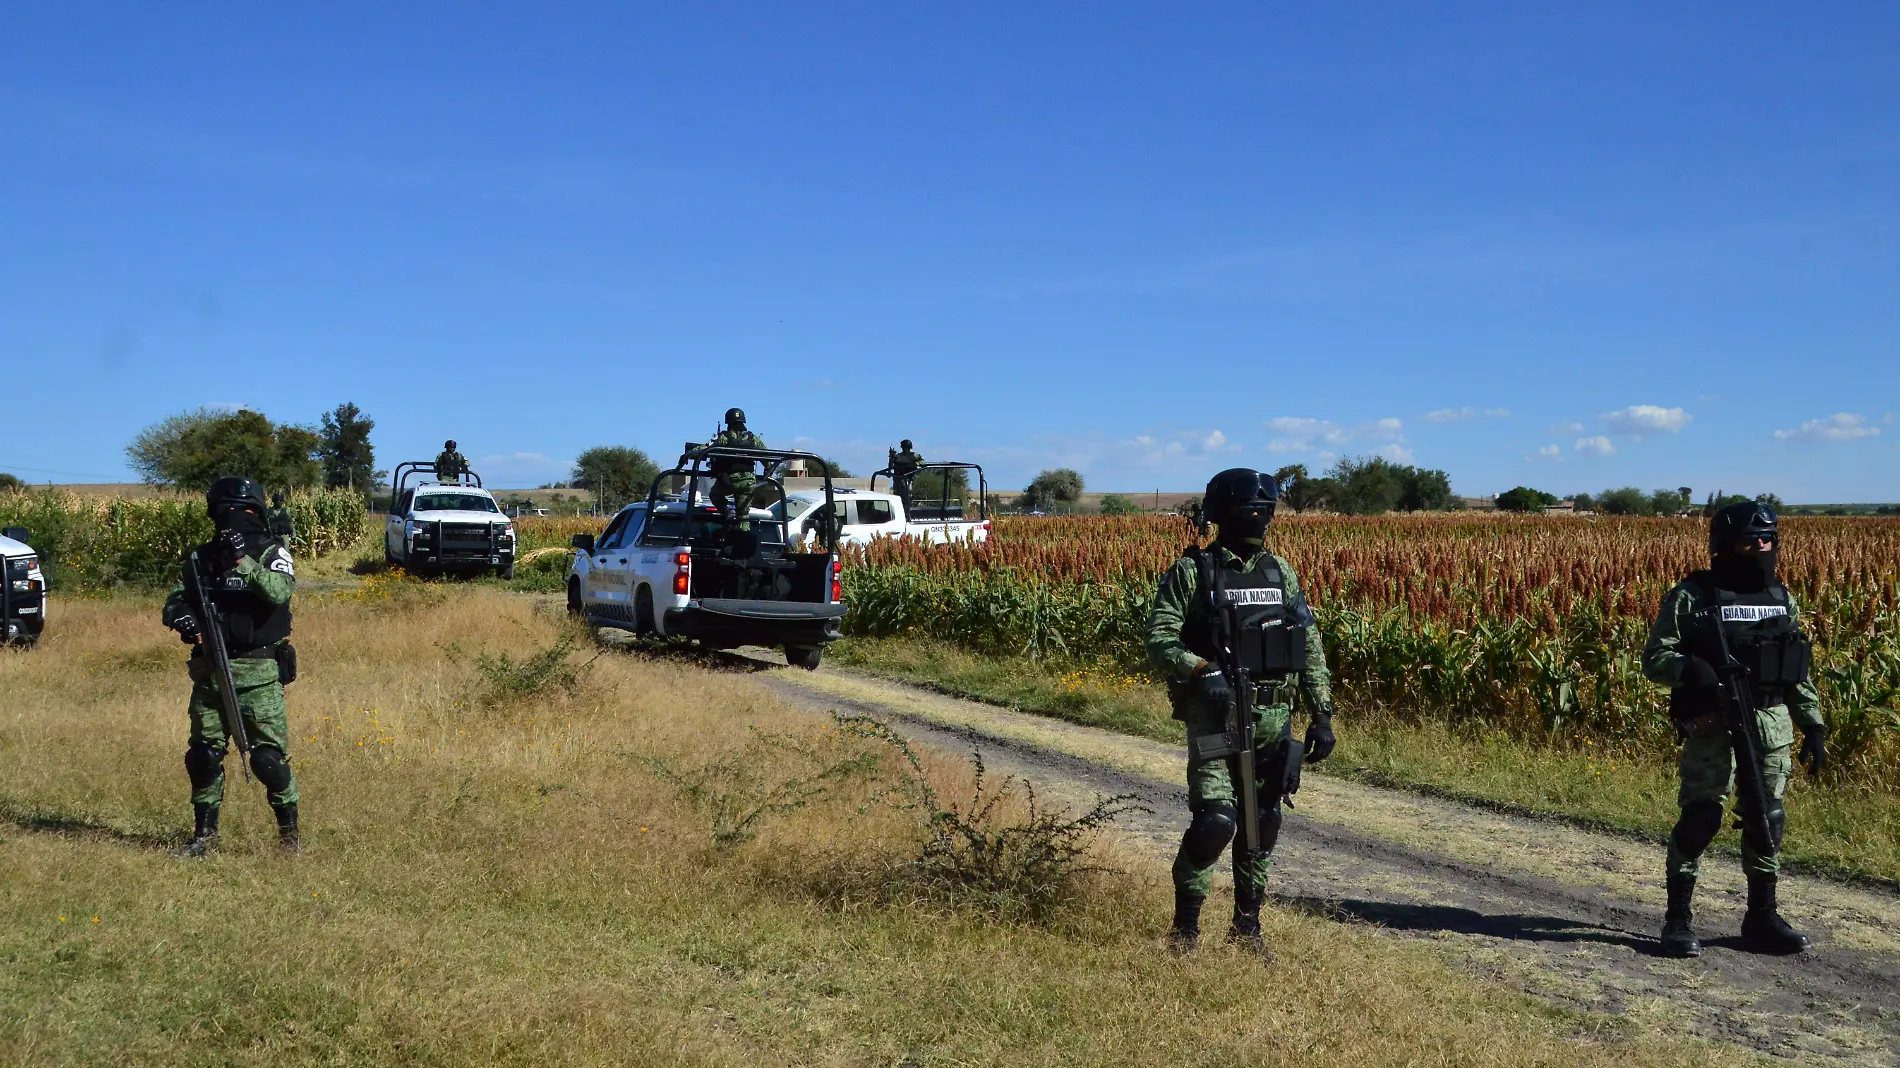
[{"x": 495, "y": 874}]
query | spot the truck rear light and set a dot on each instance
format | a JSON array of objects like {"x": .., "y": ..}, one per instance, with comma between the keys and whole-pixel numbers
[
  {"x": 837, "y": 586},
  {"x": 683, "y": 577}
]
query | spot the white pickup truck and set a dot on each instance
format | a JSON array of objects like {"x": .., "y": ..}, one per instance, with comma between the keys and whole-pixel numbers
[
  {"x": 673, "y": 564},
  {"x": 22, "y": 589},
  {"x": 436, "y": 527},
  {"x": 864, "y": 515}
]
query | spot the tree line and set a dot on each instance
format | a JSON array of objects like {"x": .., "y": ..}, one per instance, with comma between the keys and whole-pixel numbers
[{"x": 1627, "y": 500}]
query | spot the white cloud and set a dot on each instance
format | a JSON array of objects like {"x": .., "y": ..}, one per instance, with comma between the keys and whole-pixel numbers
[
  {"x": 1841, "y": 426},
  {"x": 1213, "y": 441},
  {"x": 1599, "y": 445},
  {"x": 1639, "y": 419},
  {"x": 1566, "y": 427},
  {"x": 1549, "y": 450},
  {"x": 1292, "y": 434},
  {"x": 1459, "y": 415},
  {"x": 1396, "y": 453}
]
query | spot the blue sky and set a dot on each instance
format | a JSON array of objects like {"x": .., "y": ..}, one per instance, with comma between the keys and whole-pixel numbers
[{"x": 1572, "y": 247}]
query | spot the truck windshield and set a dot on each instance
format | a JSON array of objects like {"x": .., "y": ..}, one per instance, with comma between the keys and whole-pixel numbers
[
  {"x": 797, "y": 506},
  {"x": 454, "y": 502}
]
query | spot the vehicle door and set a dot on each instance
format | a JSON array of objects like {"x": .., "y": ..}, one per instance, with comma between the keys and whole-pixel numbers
[
  {"x": 875, "y": 517},
  {"x": 395, "y": 528},
  {"x": 606, "y": 583}
]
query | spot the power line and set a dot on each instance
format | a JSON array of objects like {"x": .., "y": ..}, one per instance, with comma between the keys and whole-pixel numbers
[{"x": 49, "y": 471}]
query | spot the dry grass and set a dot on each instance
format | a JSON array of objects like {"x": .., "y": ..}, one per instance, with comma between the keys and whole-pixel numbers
[{"x": 501, "y": 881}]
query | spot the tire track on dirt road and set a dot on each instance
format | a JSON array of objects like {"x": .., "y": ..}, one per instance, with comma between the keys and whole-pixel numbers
[{"x": 1557, "y": 911}]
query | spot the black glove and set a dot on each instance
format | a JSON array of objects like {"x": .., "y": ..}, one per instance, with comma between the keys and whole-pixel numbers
[
  {"x": 232, "y": 544},
  {"x": 1699, "y": 674},
  {"x": 188, "y": 630},
  {"x": 1319, "y": 735},
  {"x": 1211, "y": 687},
  {"x": 1814, "y": 748}
]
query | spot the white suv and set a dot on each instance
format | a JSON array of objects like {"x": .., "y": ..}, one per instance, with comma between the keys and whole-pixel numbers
[{"x": 435, "y": 528}]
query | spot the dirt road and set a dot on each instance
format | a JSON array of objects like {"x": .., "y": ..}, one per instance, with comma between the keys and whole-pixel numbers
[{"x": 1562, "y": 913}]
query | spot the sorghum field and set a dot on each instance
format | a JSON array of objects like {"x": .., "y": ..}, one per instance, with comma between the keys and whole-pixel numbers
[{"x": 1530, "y": 624}]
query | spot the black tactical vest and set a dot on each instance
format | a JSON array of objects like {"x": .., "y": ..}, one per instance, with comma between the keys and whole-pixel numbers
[
  {"x": 250, "y": 622},
  {"x": 1272, "y": 639},
  {"x": 1762, "y": 635}
]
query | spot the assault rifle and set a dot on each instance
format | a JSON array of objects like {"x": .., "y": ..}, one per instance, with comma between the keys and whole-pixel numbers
[
  {"x": 1239, "y": 719},
  {"x": 211, "y": 624},
  {"x": 1737, "y": 700}
]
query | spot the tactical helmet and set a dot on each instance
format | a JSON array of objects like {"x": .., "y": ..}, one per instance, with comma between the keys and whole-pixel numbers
[
  {"x": 906, "y": 444},
  {"x": 1739, "y": 521},
  {"x": 449, "y": 445},
  {"x": 1239, "y": 486},
  {"x": 735, "y": 417},
  {"x": 234, "y": 490}
]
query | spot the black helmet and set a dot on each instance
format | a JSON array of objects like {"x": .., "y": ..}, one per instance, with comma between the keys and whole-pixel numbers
[
  {"x": 449, "y": 445},
  {"x": 234, "y": 490},
  {"x": 735, "y": 417},
  {"x": 1239, "y": 486},
  {"x": 906, "y": 444},
  {"x": 1739, "y": 521}
]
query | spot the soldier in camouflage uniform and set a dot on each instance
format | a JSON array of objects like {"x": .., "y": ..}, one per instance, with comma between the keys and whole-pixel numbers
[
  {"x": 1179, "y": 641},
  {"x": 282, "y": 527},
  {"x": 450, "y": 465},
  {"x": 250, "y": 576},
  {"x": 733, "y": 480},
  {"x": 904, "y": 466},
  {"x": 1756, "y": 612}
]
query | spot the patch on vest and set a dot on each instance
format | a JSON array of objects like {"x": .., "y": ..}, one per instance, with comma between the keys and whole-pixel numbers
[
  {"x": 1751, "y": 613},
  {"x": 1253, "y": 596},
  {"x": 280, "y": 561}
]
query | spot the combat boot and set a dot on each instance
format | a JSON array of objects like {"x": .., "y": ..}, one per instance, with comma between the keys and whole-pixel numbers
[
  {"x": 204, "y": 833},
  {"x": 1185, "y": 934},
  {"x": 1245, "y": 931},
  {"x": 1762, "y": 926},
  {"x": 287, "y": 839},
  {"x": 1678, "y": 937}
]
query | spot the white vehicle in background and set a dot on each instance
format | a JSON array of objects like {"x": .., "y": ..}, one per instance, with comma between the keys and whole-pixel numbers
[
  {"x": 437, "y": 527},
  {"x": 862, "y": 516},
  {"x": 22, "y": 589}
]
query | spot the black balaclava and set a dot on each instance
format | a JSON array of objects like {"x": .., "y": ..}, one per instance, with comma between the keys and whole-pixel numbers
[
  {"x": 246, "y": 522},
  {"x": 1245, "y": 530},
  {"x": 1745, "y": 572}
]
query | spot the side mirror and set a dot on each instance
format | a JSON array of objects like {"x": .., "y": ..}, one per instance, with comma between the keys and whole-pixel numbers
[
  {"x": 584, "y": 542},
  {"x": 18, "y": 534}
]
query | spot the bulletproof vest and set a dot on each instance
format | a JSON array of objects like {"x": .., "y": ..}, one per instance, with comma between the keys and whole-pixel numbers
[
  {"x": 739, "y": 439},
  {"x": 1272, "y": 639},
  {"x": 250, "y": 622},
  {"x": 1761, "y": 634}
]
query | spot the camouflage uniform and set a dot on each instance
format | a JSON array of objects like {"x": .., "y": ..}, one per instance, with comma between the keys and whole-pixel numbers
[
  {"x": 450, "y": 465},
  {"x": 904, "y": 466},
  {"x": 1213, "y": 780},
  {"x": 733, "y": 480},
  {"x": 272, "y": 580},
  {"x": 1707, "y": 764}
]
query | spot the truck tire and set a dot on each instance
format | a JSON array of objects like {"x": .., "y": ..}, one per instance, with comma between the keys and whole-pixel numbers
[
  {"x": 506, "y": 571},
  {"x": 804, "y": 656},
  {"x": 574, "y": 607},
  {"x": 643, "y": 611}
]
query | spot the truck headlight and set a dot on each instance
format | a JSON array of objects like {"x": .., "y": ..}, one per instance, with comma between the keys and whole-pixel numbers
[
  {"x": 507, "y": 533},
  {"x": 22, "y": 586}
]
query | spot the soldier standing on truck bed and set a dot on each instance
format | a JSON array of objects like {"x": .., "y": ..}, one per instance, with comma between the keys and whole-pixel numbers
[
  {"x": 1741, "y": 595},
  {"x": 450, "y": 465},
  {"x": 733, "y": 480},
  {"x": 1277, "y": 652},
  {"x": 249, "y": 577},
  {"x": 904, "y": 467}
]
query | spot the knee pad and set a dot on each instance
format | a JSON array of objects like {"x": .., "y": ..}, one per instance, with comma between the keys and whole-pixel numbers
[
  {"x": 203, "y": 763},
  {"x": 1697, "y": 827},
  {"x": 271, "y": 767},
  {"x": 1777, "y": 826},
  {"x": 1209, "y": 833},
  {"x": 1270, "y": 828}
]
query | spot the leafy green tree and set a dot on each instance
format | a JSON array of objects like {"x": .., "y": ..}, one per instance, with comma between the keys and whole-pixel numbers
[
  {"x": 1053, "y": 490},
  {"x": 348, "y": 460},
  {"x": 945, "y": 484},
  {"x": 837, "y": 469},
  {"x": 1117, "y": 504},
  {"x": 1525, "y": 499},
  {"x": 1669, "y": 502},
  {"x": 1368, "y": 485},
  {"x": 1719, "y": 500},
  {"x": 1626, "y": 501},
  {"x": 193, "y": 449},
  {"x": 1299, "y": 490},
  {"x": 11, "y": 483},
  {"x": 1583, "y": 502},
  {"x": 1769, "y": 499},
  {"x": 616, "y": 474},
  {"x": 1422, "y": 490}
]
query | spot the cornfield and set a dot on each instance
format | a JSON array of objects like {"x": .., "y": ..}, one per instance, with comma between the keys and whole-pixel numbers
[
  {"x": 1528, "y": 624},
  {"x": 102, "y": 542}
]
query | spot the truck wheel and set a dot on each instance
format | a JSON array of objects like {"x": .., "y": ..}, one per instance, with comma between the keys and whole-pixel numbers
[
  {"x": 643, "y": 611},
  {"x": 506, "y": 571},
  {"x": 573, "y": 597},
  {"x": 804, "y": 656}
]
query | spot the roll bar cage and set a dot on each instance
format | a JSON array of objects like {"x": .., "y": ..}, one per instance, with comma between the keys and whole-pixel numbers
[
  {"x": 399, "y": 481},
  {"x": 696, "y": 462},
  {"x": 943, "y": 502}
]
